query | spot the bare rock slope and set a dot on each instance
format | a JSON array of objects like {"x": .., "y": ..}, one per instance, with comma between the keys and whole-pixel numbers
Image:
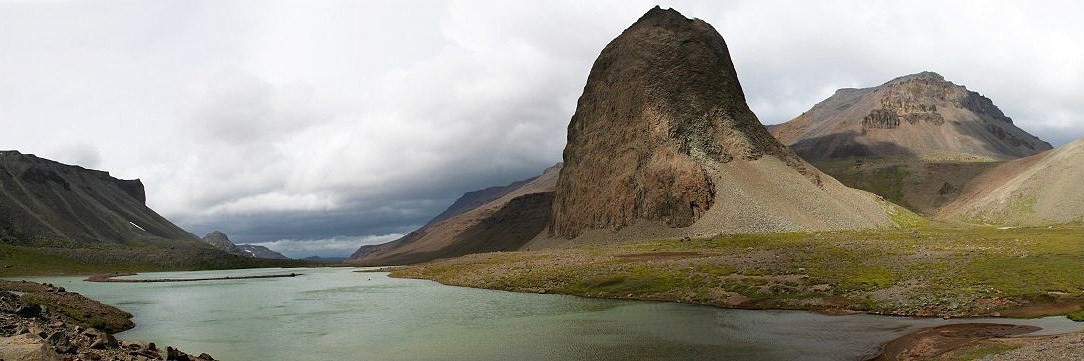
[
  {"x": 494, "y": 219},
  {"x": 920, "y": 116},
  {"x": 1047, "y": 188},
  {"x": 43, "y": 200},
  {"x": 915, "y": 140},
  {"x": 663, "y": 142}
]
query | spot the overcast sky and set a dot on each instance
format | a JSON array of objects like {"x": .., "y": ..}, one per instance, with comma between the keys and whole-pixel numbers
[{"x": 313, "y": 127}]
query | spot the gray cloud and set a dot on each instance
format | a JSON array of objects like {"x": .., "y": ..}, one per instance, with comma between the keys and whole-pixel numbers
[{"x": 316, "y": 127}]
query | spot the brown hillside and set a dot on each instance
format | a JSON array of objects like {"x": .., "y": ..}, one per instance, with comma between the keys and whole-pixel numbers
[
  {"x": 918, "y": 116},
  {"x": 1043, "y": 189},
  {"x": 504, "y": 223}
]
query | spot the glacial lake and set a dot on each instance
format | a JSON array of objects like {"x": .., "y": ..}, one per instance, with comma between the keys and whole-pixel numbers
[{"x": 338, "y": 314}]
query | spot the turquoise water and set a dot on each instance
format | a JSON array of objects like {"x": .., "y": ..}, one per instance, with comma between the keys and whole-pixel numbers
[{"x": 338, "y": 314}]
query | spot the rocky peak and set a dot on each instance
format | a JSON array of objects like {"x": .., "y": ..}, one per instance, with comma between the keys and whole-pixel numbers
[
  {"x": 662, "y": 104},
  {"x": 925, "y": 76},
  {"x": 220, "y": 241}
]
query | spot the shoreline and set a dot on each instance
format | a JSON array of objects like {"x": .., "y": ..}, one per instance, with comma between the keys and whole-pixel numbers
[
  {"x": 929, "y": 343},
  {"x": 44, "y": 322},
  {"x": 113, "y": 278}
]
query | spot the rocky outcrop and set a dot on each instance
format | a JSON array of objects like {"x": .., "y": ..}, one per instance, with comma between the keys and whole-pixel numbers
[
  {"x": 42, "y": 200},
  {"x": 67, "y": 330},
  {"x": 918, "y": 116},
  {"x": 1043, "y": 189},
  {"x": 512, "y": 217},
  {"x": 658, "y": 132}
]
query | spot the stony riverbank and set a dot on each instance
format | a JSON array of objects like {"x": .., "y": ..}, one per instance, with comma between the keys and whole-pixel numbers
[{"x": 39, "y": 322}]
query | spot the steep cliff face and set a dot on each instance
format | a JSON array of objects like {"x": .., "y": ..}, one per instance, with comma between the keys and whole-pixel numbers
[
  {"x": 1043, "y": 189},
  {"x": 918, "y": 116},
  {"x": 660, "y": 130},
  {"x": 43, "y": 200},
  {"x": 494, "y": 219}
]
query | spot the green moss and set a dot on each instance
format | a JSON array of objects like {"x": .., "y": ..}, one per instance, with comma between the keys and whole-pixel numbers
[
  {"x": 869, "y": 278},
  {"x": 982, "y": 351},
  {"x": 904, "y": 218},
  {"x": 929, "y": 268},
  {"x": 1077, "y": 316}
]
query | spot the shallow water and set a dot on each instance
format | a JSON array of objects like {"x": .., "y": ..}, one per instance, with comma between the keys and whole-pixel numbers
[{"x": 338, "y": 314}]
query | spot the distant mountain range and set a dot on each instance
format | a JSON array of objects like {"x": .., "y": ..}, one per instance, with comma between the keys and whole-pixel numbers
[{"x": 326, "y": 259}]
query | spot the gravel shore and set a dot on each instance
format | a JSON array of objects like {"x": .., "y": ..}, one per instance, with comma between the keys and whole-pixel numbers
[{"x": 32, "y": 332}]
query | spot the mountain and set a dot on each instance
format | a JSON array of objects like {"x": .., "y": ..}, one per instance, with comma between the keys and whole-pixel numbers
[
  {"x": 1042, "y": 189},
  {"x": 222, "y": 242},
  {"x": 918, "y": 116},
  {"x": 254, "y": 251},
  {"x": 663, "y": 144},
  {"x": 42, "y": 200},
  {"x": 61, "y": 219},
  {"x": 915, "y": 140},
  {"x": 475, "y": 199},
  {"x": 502, "y": 219},
  {"x": 326, "y": 259}
]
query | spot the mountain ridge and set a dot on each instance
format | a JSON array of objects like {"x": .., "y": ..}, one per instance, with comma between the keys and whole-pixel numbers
[{"x": 920, "y": 116}]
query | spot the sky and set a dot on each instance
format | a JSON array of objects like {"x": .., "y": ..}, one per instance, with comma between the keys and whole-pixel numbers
[{"x": 313, "y": 127}]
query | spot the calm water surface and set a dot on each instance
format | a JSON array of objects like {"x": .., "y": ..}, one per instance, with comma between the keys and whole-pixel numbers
[{"x": 338, "y": 314}]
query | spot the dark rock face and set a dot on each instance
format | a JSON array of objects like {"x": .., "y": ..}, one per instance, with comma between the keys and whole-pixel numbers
[
  {"x": 42, "y": 200},
  {"x": 662, "y": 103}
]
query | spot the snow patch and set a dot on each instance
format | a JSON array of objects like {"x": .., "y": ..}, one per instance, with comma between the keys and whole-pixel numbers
[{"x": 137, "y": 226}]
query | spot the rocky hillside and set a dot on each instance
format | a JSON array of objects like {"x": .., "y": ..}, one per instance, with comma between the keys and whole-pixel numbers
[
  {"x": 494, "y": 219},
  {"x": 222, "y": 242},
  {"x": 663, "y": 144},
  {"x": 915, "y": 140},
  {"x": 918, "y": 116},
  {"x": 62, "y": 219},
  {"x": 1046, "y": 188},
  {"x": 46, "y": 201}
]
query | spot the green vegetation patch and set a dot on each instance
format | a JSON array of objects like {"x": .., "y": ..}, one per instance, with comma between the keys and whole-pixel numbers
[
  {"x": 931, "y": 270},
  {"x": 981, "y": 351}
]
